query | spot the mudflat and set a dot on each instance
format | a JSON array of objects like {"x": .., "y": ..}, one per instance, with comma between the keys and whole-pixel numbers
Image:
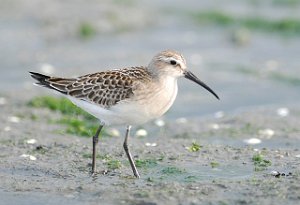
[{"x": 204, "y": 160}]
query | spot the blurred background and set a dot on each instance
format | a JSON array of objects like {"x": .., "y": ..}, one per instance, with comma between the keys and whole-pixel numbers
[{"x": 247, "y": 51}]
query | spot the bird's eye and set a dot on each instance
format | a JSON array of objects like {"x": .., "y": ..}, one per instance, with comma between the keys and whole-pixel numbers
[{"x": 173, "y": 62}]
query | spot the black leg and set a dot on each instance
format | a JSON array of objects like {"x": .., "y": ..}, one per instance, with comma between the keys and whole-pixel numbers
[
  {"x": 125, "y": 145},
  {"x": 95, "y": 142}
]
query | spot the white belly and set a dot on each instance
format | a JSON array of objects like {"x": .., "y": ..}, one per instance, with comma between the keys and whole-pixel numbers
[{"x": 134, "y": 111}]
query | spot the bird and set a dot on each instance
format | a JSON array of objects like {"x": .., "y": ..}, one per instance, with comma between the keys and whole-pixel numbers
[{"x": 127, "y": 96}]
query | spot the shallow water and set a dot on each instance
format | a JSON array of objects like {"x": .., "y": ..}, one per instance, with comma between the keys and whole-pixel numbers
[{"x": 209, "y": 51}]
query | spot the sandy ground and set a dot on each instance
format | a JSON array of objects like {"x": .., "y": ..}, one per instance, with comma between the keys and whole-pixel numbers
[{"x": 60, "y": 172}]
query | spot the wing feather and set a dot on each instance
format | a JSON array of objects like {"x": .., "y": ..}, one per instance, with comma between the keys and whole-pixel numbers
[{"x": 103, "y": 88}]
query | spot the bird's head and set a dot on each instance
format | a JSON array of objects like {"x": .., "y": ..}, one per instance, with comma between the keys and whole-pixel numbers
[{"x": 172, "y": 63}]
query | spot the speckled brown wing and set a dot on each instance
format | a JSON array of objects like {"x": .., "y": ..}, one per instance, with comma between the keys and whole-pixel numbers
[{"x": 103, "y": 88}]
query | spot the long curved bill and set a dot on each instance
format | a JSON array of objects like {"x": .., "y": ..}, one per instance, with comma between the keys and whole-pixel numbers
[{"x": 189, "y": 75}]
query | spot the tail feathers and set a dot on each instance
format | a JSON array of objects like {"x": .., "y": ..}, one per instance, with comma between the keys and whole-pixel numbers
[{"x": 46, "y": 81}]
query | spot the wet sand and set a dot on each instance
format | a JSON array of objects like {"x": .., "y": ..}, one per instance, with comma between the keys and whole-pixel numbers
[{"x": 55, "y": 168}]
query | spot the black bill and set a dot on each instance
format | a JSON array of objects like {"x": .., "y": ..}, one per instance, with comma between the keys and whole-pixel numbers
[{"x": 192, "y": 77}]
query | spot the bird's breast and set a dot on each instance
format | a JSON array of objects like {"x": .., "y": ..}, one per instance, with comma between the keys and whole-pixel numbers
[
  {"x": 149, "y": 101},
  {"x": 158, "y": 97}
]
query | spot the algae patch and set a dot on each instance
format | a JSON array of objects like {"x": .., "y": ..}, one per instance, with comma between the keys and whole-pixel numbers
[
  {"x": 86, "y": 30},
  {"x": 195, "y": 147},
  {"x": 260, "y": 163},
  {"x": 77, "y": 126},
  {"x": 145, "y": 163},
  {"x": 113, "y": 164},
  {"x": 172, "y": 170},
  {"x": 77, "y": 121},
  {"x": 214, "y": 164},
  {"x": 290, "y": 26}
]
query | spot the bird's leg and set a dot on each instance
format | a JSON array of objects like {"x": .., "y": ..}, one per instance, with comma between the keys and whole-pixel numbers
[
  {"x": 125, "y": 145},
  {"x": 95, "y": 142}
]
